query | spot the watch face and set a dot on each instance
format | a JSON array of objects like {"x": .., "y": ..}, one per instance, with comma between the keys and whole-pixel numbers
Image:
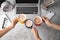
[
  {"x": 26, "y": 1},
  {"x": 29, "y": 23}
]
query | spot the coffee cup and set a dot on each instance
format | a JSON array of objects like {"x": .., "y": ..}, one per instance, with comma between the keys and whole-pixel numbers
[
  {"x": 29, "y": 23},
  {"x": 22, "y": 18},
  {"x": 37, "y": 20}
]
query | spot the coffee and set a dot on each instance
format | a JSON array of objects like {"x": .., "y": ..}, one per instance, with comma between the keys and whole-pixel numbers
[
  {"x": 37, "y": 20},
  {"x": 22, "y": 18},
  {"x": 28, "y": 23}
]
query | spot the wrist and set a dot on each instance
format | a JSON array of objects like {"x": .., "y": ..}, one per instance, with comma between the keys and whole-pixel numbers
[
  {"x": 38, "y": 38},
  {"x": 12, "y": 25},
  {"x": 51, "y": 24}
]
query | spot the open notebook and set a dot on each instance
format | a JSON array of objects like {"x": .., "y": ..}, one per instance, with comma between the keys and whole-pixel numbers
[{"x": 4, "y": 21}]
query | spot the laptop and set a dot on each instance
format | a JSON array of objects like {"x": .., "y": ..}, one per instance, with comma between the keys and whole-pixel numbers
[{"x": 29, "y": 7}]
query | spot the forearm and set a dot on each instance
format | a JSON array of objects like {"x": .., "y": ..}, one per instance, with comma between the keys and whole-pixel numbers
[
  {"x": 37, "y": 36},
  {"x": 12, "y": 25},
  {"x": 55, "y": 26},
  {"x": 4, "y": 31}
]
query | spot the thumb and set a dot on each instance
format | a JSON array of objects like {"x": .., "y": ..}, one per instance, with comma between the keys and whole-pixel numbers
[{"x": 44, "y": 19}]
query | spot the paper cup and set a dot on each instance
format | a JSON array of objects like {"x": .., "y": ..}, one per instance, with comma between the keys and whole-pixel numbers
[{"x": 37, "y": 20}]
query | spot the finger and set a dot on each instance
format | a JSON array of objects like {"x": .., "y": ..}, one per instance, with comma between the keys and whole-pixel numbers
[
  {"x": 43, "y": 18},
  {"x": 15, "y": 20},
  {"x": 33, "y": 28},
  {"x": 46, "y": 18}
]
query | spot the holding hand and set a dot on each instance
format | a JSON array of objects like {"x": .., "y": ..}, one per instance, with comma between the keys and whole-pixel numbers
[
  {"x": 50, "y": 24},
  {"x": 14, "y": 22},
  {"x": 35, "y": 31},
  {"x": 46, "y": 20}
]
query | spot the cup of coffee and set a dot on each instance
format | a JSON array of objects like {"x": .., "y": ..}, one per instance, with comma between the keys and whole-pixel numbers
[
  {"x": 28, "y": 23},
  {"x": 22, "y": 18},
  {"x": 37, "y": 20}
]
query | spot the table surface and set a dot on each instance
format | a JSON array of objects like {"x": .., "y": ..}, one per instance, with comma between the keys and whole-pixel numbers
[{"x": 20, "y": 32}]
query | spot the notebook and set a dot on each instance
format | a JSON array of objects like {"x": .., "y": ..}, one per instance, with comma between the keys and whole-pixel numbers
[{"x": 4, "y": 21}]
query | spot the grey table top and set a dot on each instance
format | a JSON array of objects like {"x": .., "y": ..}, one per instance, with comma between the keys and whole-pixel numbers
[{"x": 45, "y": 32}]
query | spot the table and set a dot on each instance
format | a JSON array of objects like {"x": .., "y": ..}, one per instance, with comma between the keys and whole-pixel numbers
[{"x": 45, "y": 32}]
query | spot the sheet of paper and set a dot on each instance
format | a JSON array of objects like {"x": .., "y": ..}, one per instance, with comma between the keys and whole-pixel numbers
[{"x": 7, "y": 22}]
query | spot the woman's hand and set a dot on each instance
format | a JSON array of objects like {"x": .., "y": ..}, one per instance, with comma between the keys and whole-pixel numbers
[
  {"x": 46, "y": 20},
  {"x": 12, "y": 25},
  {"x": 14, "y": 22},
  {"x": 36, "y": 34}
]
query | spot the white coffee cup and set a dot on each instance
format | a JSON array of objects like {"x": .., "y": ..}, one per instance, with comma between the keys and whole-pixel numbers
[{"x": 37, "y": 20}]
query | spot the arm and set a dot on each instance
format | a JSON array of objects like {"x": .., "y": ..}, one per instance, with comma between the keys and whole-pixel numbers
[
  {"x": 13, "y": 23},
  {"x": 34, "y": 30},
  {"x": 55, "y": 26},
  {"x": 2, "y": 32},
  {"x": 51, "y": 24}
]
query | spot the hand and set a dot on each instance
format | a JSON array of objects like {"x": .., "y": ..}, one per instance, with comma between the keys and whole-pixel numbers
[
  {"x": 35, "y": 31},
  {"x": 14, "y": 22},
  {"x": 46, "y": 20}
]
